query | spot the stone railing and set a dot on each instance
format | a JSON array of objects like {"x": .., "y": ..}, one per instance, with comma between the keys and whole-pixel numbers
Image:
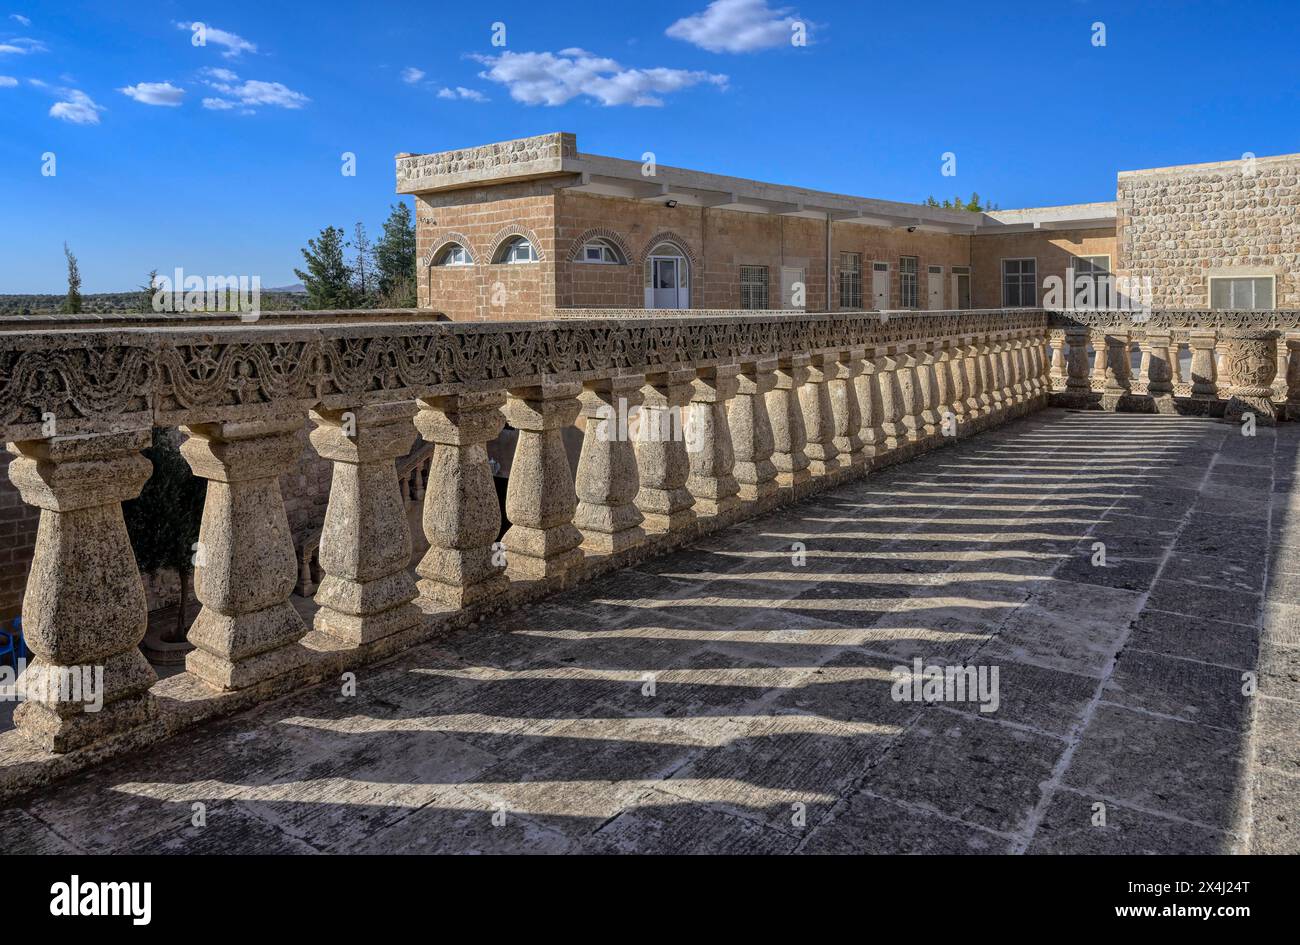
[
  {"x": 737, "y": 413},
  {"x": 1236, "y": 362}
]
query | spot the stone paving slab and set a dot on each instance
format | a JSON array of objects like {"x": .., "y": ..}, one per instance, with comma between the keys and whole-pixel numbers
[{"x": 738, "y": 697}]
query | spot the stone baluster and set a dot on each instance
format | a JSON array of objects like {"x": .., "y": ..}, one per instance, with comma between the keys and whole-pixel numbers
[
  {"x": 607, "y": 481},
  {"x": 958, "y": 385},
  {"x": 1157, "y": 370},
  {"x": 1204, "y": 373},
  {"x": 1279, "y": 382},
  {"x": 867, "y": 386},
  {"x": 990, "y": 381},
  {"x": 1077, "y": 384},
  {"x": 247, "y": 631},
  {"x": 1014, "y": 386},
  {"x": 1001, "y": 377},
  {"x": 940, "y": 374},
  {"x": 365, "y": 543},
  {"x": 1059, "y": 372},
  {"x": 909, "y": 389},
  {"x": 1176, "y": 361},
  {"x": 1118, "y": 358},
  {"x": 891, "y": 401},
  {"x": 462, "y": 514},
  {"x": 542, "y": 541},
  {"x": 751, "y": 433},
  {"x": 84, "y": 611},
  {"x": 1100, "y": 361},
  {"x": 927, "y": 388},
  {"x": 974, "y": 369},
  {"x": 662, "y": 463},
  {"x": 788, "y": 435},
  {"x": 846, "y": 408},
  {"x": 1222, "y": 371},
  {"x": 1293, "y": 379},
  {"x": 712, "y": 481},
  {"x": 1250, "y": 358},
  {"x": 818, "y": 417}
]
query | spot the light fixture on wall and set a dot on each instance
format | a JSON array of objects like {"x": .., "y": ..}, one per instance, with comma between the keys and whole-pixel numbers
[{"x": 670, "y": 204}]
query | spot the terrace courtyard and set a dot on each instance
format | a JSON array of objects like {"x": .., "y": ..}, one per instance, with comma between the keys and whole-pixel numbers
[{"x": 735, "y": 696}]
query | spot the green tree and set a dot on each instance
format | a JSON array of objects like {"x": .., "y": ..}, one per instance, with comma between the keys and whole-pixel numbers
[
  {"x": 147, "y": 291},
  {"x": 72, "y": 303},
  {"x": 395, "y": 259},
  {"x": 164, "y": 521},
  {"x": 364, "y": 278},
  {"x": 328, "y": 277}
]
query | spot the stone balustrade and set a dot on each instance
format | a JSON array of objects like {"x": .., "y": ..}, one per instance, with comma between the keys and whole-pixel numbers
[
  {"x": 690, "y": 423},
  {"x": 1223, "y": 364}
]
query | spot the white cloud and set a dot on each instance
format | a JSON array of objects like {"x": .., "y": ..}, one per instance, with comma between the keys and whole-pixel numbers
[
  {"x": 21, "y": 46},
  {"x": 249, "y": 92},
  {"x": 154, "y": 93},
  {"x": 460, "y": 92},
  {"x": 555, "y": 78},
  {"x": 412, "y": 75},
  {"x": 7, "y": 82},
  {"x": 20, "y": 18},
  {"x": 76, "y": 107},
  {"x": 234, "y": 43},
  {"x": 735, "y": 26}
]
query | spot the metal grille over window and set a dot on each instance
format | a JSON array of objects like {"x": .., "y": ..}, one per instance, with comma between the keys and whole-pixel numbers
[
  {"x": 850, "y": 280},
  {"x": 753, "y": 287},
  {"x": 907, "y": 281}
]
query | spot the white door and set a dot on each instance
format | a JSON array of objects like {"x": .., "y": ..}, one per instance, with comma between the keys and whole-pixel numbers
[
  {"x": 668, "y": 283},
  {"x": 794, "y": 293},
  {"x": 880, "y": 286},
  {"x": 936, "y": 288}
]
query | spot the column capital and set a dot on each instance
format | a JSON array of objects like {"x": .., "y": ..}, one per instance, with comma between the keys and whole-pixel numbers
[
  {"x": 365, "y": 434},
  {"x": 65, "y": 473}
]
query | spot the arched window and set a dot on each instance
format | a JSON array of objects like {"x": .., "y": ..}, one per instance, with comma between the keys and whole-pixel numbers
[
  {"x": 453, "y": 254},
  {"x": 601, "y": 250},
  {"x": 516, "y": 250}
]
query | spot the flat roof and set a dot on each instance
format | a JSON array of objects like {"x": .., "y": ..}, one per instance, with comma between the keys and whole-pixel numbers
[
  {"x": 556, "y": 155},
  {"x": 1211, "y": 167}
]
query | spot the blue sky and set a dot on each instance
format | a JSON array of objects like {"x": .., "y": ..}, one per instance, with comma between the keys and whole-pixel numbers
[{"x": 225, "y": 157}]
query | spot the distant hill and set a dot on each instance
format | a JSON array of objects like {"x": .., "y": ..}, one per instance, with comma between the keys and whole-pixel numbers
[{"x": 285, "y": 299}]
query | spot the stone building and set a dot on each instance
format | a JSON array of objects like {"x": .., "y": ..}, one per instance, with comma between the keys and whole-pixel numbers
[{"x": 529, "y": 228}]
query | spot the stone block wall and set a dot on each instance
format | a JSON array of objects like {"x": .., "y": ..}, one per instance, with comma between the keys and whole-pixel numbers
[
  {"x": 1180, "y": 225},
  {"x": 481, "y": 219},
  {"x": 1054, "y": 250}
]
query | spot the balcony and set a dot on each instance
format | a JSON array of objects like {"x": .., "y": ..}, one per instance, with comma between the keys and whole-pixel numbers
[{"x": 802, "y": 503}]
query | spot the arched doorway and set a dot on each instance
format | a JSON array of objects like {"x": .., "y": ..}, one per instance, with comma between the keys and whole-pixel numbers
[{"x": 668, "y": 278}]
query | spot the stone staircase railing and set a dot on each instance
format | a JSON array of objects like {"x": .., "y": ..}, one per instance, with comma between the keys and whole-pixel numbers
[
  {"x": 738, "y": 412},
  {"x": 1237, "y": 362}
]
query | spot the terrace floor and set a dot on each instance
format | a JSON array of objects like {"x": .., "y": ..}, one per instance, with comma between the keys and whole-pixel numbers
[{"x": 728, "y": 698}]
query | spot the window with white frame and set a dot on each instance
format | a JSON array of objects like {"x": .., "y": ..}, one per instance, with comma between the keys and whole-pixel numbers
[
  {"x": 516, "y": 250},
  {"x": 453, "y": 254},
  {"x": 1241, "y": 293},
  {"x": 850, "y": 280},
  {"x": 601, "y": 251},
  {"x": 908, "y": 286},
  {"x": 1019, "y": 283},
  {"x": 753, "y": 287}
]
